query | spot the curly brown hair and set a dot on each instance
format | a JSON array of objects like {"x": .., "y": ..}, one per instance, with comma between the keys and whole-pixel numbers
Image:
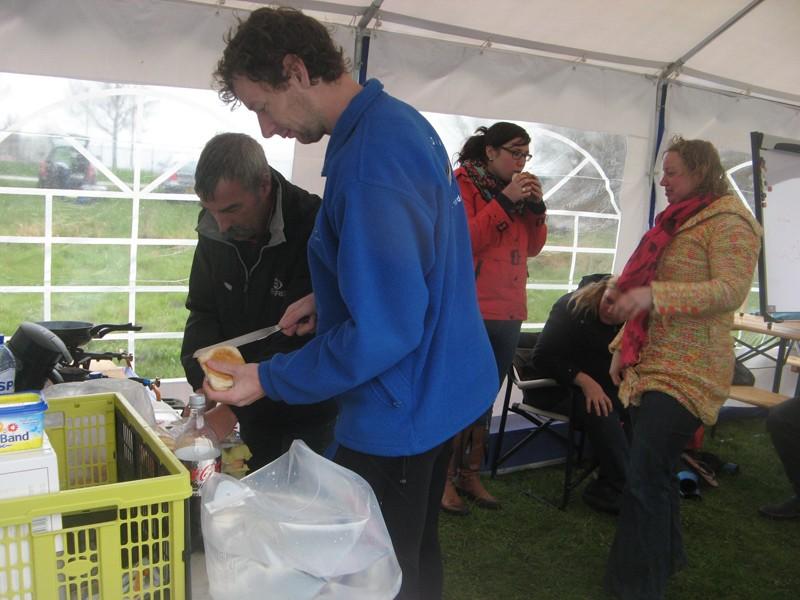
[
  {"x": 257, "y": 46},
  {"x": 702, "y": 157}
]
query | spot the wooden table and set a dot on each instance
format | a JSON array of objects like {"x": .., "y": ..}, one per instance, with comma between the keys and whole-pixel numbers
[{"x": 782, "y": 334}]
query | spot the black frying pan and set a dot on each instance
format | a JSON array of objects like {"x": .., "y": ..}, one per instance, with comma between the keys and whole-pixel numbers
[{"x": 75, "y": 334}]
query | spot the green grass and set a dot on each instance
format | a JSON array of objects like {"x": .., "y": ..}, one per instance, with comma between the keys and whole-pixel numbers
[
  {"x": 22, "y": 215},
  {"x": 8, "y": 167},
  {"x": 168, "y": 219},
  {"x": 92, "y": 217},
  {"x": 106, "y": 307},
  {"x": 90, "y": 265},
  {"x": 164, "y": 265},
  {"x": 532, "y": 550},
  {"x": 161, "y": 311},
  {"x": 21, "y": 264}
]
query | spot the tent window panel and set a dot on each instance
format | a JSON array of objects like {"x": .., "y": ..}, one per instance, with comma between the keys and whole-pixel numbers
[
  {"x": 739, "y": 171},
  {"x": 175, "y": 176},
  {"x": 91, "y": 217},
  {"x": 95, "y": 307},
  {"x": 549, "y": 267},
  {"x": 106, "y": 148},
  {"x": 22, "y": 215},
  {"x": 22, "y": 264},
  {"x": 560, "y": 230},
  {"x": 18, "y": 308},
  {"x": 586, "y": 264},
  {"x": 18, "y": 167},
  {"x": 158, "y": 358},
  {"x": 597, "y": 232},
  {"x": 100, "y": 264},
  {"x": 168, "y": 219},
  {"x": 540, "y": 302},
  {"x": 751, "y": 304},
  {"x": 164, "y": 265},
  {"x": 581, "y": 192},
  {"x": 160, "y": 311}
]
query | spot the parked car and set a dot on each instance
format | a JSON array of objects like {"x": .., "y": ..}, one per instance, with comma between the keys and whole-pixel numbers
[
  {"x": 181, "y": 181},
  {"x": 66, "y": 168}
]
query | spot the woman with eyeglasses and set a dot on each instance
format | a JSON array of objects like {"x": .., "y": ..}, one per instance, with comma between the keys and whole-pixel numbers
[{"x": 506, "y": 217}]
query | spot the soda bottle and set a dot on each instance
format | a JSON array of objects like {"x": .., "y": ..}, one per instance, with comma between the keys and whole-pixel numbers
[
  {"x": 7, "y": 368},
  {"x": 198, "y": 450}
]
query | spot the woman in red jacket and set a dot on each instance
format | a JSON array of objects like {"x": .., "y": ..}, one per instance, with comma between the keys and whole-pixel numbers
[{"x": 506, "y": 217}]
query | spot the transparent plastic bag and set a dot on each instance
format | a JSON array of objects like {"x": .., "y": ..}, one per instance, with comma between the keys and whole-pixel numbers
[{"x": 301, "y": 527}]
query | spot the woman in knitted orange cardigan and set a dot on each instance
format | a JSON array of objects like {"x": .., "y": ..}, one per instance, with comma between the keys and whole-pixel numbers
[{"x": 674, "y": 358}]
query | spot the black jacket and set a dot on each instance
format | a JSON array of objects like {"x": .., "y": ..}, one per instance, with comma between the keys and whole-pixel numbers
[
  {"x": 227, "y": 299},
  {"x": 569, "y": 344}
]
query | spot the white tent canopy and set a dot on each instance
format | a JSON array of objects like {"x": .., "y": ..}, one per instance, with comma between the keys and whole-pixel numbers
[
  {"x": 626, "y": 75},
  {"x": 728, "y": 66},
  {"x": 744, "y": 45}
]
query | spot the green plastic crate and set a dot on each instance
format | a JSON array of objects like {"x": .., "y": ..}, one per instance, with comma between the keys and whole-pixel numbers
[{"x": 123, "y": 510}]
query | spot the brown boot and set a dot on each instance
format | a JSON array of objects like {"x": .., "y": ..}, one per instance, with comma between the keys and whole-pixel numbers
[
  {"x": 469, "y": 482},
  {"x": 451, "y": 501}
]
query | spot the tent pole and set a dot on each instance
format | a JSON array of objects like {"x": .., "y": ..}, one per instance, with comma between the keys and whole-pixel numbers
[
  {"x": 361, "y": 50},
  {"x": 661, "y": 116}
]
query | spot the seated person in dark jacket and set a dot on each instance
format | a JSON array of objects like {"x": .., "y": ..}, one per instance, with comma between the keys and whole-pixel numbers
[
  {"x": 573, "y": 349},
  {"x": 783, "y": 424},
  {"x": 249, "y": 265}
]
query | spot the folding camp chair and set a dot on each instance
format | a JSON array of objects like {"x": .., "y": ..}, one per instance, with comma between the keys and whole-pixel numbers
[{"x": 543, "y": 421}]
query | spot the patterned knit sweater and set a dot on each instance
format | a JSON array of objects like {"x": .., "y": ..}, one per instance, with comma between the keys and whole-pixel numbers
[{"x": 703, "y": 276}]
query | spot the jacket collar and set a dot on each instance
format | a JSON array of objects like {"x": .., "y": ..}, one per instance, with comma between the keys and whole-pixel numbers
[
  {"x": 207, "y": 226},
  {"x": 349, "y": 119},
  {"x": 724, "y": 204}
]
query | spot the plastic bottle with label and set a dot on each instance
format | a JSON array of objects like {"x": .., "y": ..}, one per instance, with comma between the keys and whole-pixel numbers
[
  {"x": 199, "y": 451},
  {"x": 8, "y": 368}
]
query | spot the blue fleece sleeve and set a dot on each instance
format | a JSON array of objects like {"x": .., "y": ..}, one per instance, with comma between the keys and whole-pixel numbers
[{"x": 381, "y": 245}]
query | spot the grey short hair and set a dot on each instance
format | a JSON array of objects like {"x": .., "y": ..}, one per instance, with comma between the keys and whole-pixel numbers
[{"x": 231, "y": 156}]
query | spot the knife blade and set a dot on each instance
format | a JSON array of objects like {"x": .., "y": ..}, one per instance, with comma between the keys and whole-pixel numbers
[{"x": 241, "y": 340}]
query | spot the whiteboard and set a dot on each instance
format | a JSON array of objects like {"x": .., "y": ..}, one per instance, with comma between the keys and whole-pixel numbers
[{"x": 778, "y": 187}]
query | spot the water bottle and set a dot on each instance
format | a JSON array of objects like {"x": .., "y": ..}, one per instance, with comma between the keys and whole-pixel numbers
[
  {"x": 199, "y": 451},
  {"x": 8, "y": 368}
]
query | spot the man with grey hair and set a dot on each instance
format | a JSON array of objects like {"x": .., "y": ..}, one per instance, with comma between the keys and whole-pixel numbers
[{"x": 249, "y": 265}]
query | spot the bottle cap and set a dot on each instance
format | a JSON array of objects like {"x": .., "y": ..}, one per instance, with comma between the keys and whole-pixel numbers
[{"x": 197, "y": 401}]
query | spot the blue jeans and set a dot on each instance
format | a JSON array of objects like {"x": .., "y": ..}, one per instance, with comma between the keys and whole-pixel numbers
[
  {"x": 648, "y": 545},
  {"x": 503, "y": 337}
]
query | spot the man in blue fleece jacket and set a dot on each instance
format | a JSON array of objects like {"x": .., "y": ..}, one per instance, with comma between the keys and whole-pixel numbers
[{"x": 399, "y": 342}]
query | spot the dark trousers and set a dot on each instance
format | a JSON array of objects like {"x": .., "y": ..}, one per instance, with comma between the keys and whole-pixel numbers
[
  {"x": 409, "y": 490},
  {"x": 783, "y": 424},
  {"x": 267, "y": 444},
  {"x": 503, "y": 336},
  {"x": 608, "y": 438},
  {"x": 648, "y": 545}
]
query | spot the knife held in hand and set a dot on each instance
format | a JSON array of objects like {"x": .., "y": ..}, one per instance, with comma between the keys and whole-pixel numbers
[{"x": 253, "y": 336}]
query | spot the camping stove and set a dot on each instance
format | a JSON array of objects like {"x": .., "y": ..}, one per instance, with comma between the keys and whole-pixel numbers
[{"x": 78, "y": 369}]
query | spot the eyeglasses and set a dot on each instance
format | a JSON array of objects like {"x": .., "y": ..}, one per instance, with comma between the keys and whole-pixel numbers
[{"x": 516, "y": 154}]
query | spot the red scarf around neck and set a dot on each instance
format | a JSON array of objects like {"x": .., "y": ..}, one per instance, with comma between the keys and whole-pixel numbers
[{"x": 641, "y": 267}]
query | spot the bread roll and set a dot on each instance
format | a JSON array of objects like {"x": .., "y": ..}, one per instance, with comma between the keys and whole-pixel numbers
[{"x": 226, "y": 354}]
